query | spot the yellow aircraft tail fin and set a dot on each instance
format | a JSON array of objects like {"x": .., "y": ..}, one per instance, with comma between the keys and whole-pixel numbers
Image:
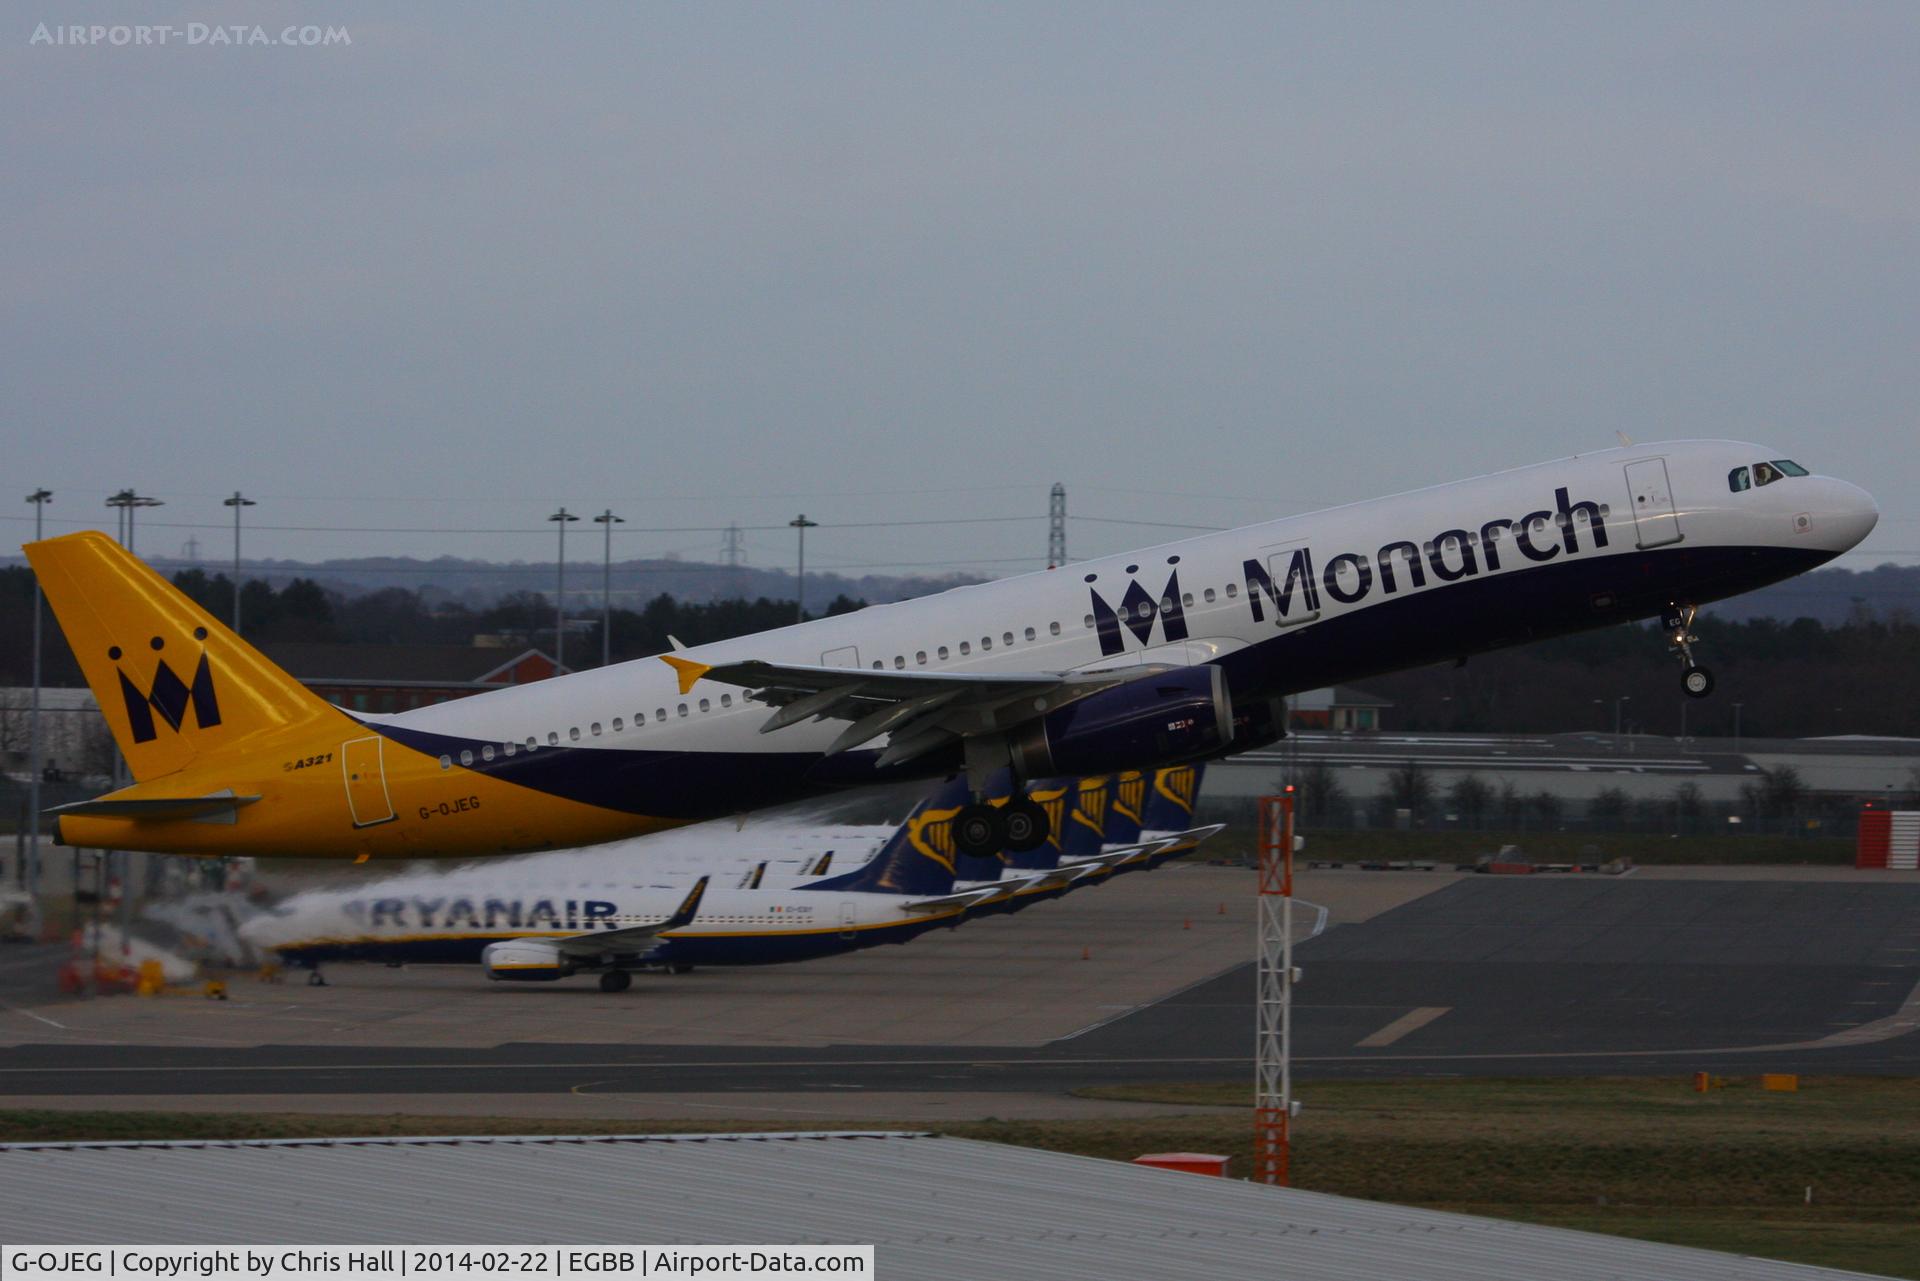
[{"x": 176, "y": 686}]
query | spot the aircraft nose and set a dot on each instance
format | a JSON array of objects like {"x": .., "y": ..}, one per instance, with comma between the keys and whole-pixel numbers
[{"x": 1847, "y": 515}]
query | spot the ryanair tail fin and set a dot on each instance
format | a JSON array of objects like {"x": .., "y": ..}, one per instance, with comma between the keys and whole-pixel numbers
[
  {"x": 175, "y": 685},
  {"x": 1171, "y": 798},
  {"x": 919, "y": 858}
]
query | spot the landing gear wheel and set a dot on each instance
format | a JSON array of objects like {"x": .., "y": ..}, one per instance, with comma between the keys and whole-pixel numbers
[
  {"x": 1027, "y": 824},
  {"x": 979, "y": 831},
  {"x": 615, "y": 981},
  {"x": 315, "y": 978},
  {"x": 1697, "y": 682}
]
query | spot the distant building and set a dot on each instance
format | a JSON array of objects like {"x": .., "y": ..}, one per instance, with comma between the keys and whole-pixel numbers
[
  {"x": 394, "y": 678},
  {"x": 1338, "y": 708}
]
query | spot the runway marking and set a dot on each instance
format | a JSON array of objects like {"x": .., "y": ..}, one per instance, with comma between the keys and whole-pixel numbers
[
  {"x": 1122, "y": 1011},
  {"x": 1412, "y": 1021},
  {"x": 14, "y": 1009}
]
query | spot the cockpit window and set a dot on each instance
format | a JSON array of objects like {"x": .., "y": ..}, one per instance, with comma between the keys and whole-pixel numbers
[
  {"x": 1766, "y": 474},
  {"x": 1739, "y": 479},
  {"x": 1790, "y": 467}
]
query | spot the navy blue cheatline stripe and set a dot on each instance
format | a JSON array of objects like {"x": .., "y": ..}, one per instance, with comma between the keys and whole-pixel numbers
[
  {"x": 1427, "y": 626},
  {"x": 672, "y": 785},
  {"x": 1510, "y": 608}
]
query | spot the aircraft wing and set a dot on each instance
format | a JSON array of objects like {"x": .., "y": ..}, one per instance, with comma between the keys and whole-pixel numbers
[
  {"x": 602, "y": 941},
  {"x": 921, "y": 711}
]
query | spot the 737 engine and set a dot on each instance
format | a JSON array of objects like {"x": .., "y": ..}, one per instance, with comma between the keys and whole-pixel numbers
[{"x": 525, "y": 961}]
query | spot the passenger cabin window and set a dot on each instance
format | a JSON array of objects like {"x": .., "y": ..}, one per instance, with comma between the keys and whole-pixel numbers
[
  {"x": 966, "y": 647},
  {"x": 986, "y": 642},
  {"x": 553, "y": 738},
  {"x": 618, "y": 724},
  {"x": 595, "y": 728},
  {"x": 1029, "y": 633},
  {"x": 943, "y": 653},
  {"x": 486, "y": 753},
  {"x": 1053, "y": 629},
  {"x": 573, "y": 733},
  {"x": 726, "y": 700},
  {"x": 1739, "y": 479},
  {"x": 1207, "y": 596}
]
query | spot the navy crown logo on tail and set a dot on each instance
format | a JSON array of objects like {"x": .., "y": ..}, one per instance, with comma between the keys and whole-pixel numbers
[{"x": 170, "y": 696}]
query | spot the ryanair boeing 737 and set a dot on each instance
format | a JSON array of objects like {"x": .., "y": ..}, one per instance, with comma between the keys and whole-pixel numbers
[{"x": 1169, "y": 654}]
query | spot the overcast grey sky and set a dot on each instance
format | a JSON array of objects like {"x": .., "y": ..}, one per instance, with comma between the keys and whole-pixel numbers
[{"x": 706, "y": 263}]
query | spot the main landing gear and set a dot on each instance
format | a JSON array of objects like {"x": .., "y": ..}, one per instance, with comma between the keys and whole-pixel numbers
[
  {"x": 1695, "y": 680},
  {"x": 615, "y": 981},
  {"x": 981, "y": 830}
]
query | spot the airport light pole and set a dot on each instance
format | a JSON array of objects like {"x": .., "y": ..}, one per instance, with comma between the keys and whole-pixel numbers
[
  {"x": 609, "y": 520},
  {"x": 564, "y": 517},
  {"x": 237, "y": 502},
  {"x": 802, "y": 524},
  {"x": 35, "y": 743},
  {"x": 127, "y": 503}
]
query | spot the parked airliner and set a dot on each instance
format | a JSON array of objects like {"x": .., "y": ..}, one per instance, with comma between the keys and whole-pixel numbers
[
  {"x": 1169, "y": 654},
  {"x": 547, "y": 918}
]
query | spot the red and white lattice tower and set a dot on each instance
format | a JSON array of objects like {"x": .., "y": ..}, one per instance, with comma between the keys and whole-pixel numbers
[{"x": 1273, "y": 1105}]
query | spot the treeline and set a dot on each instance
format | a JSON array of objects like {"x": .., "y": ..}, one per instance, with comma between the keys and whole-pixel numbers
[
  {"x": 1788, "y": 680},
  {"x": 1785, "y": 680},
  {"x": 304, "y": 611},
  {"x": 1775, "y": 801}
]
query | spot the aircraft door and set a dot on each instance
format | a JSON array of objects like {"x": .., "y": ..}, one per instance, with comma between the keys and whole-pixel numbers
[
  {"x": 848, "y": 656},
  {"x": 364, "y": 767},
  {"x": 848, "y": 918},
  {"x": 1654, "y": 518}
]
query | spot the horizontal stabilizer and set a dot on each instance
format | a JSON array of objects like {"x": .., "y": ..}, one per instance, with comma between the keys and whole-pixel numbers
[
  {"x": 949, "y": 902},
  {"x": 157, "y": 807}
]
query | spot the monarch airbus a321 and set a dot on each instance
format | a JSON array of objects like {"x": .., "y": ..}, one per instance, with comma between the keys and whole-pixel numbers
[{"x": 1169, "y": 654}]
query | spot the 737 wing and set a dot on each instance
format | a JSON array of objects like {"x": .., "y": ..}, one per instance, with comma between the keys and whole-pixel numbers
[
  {"x": 603, "y": 941},
  {"x": 921, "y": 711}
]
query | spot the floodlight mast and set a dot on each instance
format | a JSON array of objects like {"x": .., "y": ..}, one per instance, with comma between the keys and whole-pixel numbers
[{"x": 1273, "y": 1105}]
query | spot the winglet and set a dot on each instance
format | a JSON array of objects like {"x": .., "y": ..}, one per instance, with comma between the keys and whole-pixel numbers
[
  {"x": 687, "y": 670},
  {"x": 689, "y": 908}
]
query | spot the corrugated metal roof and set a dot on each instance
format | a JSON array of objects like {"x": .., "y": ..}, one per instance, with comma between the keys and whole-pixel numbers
[{"x": 935, "y": 1207}]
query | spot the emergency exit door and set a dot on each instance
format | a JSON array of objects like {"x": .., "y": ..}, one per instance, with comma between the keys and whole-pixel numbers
[
  {"x": 1654, "y": 518},
  {"x": 364, "y": 765}
]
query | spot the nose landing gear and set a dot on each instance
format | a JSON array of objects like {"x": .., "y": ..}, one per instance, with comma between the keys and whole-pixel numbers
[{"x": 1695, "y": 680}]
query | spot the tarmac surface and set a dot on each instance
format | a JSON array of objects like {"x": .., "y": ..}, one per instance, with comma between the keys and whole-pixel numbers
[{"x": 1664, "y": 971}]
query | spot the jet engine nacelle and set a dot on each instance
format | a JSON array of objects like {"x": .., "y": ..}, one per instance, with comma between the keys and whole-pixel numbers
[
  {"x": 1162, "y": 718},
  {"x": 525, "y": 961}
]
